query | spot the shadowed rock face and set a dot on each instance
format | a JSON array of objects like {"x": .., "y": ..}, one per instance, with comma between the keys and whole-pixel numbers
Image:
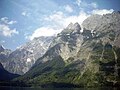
[
  {"x": 1, "y": 67},
  {"x": 5, "y": 75},
  {"x": 1, "y": 48}
]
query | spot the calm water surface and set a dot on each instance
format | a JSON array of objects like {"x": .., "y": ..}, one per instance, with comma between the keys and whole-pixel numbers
[{"x": 28, "y": 88}]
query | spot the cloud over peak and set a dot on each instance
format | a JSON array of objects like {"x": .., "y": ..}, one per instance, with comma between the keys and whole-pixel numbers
[
  {"x": 43, "y": 31},
  {"x": 102, "y": 11},
  {"x": 59, "y": 20}
]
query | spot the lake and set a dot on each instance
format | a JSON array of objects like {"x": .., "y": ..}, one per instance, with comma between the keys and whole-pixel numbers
[{"x": 33, "y": 88}]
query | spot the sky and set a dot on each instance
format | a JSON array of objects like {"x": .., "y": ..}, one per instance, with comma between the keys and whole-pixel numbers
[{"x": 23, "y": 20}]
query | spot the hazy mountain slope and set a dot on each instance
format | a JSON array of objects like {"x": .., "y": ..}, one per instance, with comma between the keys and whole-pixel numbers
[
  {"x": 4, "y": 54},
  {"x": 21, "y": 60},
  {"x": 90, "y": 58}
]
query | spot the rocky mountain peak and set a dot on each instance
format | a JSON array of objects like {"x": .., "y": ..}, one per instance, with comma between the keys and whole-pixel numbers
[
  {"x": 75, "y": 26},
  {"x": 70, "y": 26}
]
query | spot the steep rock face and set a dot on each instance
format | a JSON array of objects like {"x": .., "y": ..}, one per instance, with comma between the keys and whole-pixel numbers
[
  {"x": 92, "y": 22},
  {"x": 66, "y": 44},
  {"x": 21, "y": 60},
  {"x": 90, "y": 58},
  {"x": 106, "y": 27}
]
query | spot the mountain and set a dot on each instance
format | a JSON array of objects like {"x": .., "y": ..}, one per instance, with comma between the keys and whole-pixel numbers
[
  {"x": 4, "y": 54},
  {"x": 75, "y": 58},
  {"x": 5, "y": 75},
  {"x": 21, "y": 60}
]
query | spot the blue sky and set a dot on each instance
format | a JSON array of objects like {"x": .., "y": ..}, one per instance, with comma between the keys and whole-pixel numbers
[{"x": 23, "y": 20}]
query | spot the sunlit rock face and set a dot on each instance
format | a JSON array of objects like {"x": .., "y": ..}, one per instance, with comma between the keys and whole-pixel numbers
[
  {"x": 105, "y": 27},
  {"x": 67, "y": 43},
  {"x": 21, "y": 60}
]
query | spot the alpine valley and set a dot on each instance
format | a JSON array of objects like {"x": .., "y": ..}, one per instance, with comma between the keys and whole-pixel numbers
[{"x": 81, "y": 55}]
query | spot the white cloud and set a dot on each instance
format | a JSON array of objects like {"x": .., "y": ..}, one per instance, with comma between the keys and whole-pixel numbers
[
  {"x": 76, "y": 18},
  {"x": 6, "y": 21},
  {"x": 56, "y": 20},
  {"x": 61, "y": 20},
  {"x": 83, "y": 4},
  {"x": 6, "y": 31},
  {"x": 25, "y": 13},
  {"x": 43, "y": 31},
  {"x": 12, "y": 22},
  {"x": 101, "y": 12},
  {"x": 68, "y": 8}
]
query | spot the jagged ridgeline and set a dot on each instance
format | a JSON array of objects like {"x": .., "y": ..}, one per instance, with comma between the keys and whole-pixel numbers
[{"x": 88, "y": 58}]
